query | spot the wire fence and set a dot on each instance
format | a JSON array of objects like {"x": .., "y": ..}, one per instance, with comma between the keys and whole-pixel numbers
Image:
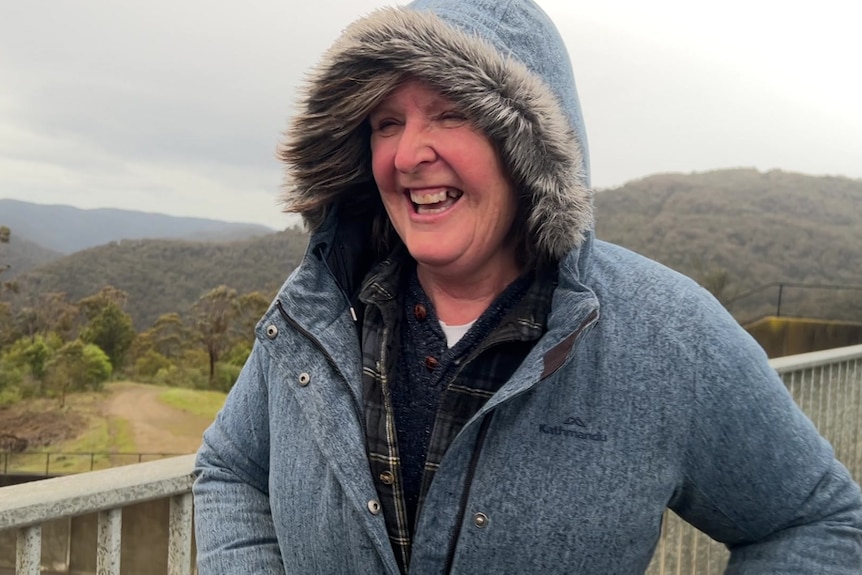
[
  {"x": 787, "y": 299},
  {"x": 62, "y": 463}
]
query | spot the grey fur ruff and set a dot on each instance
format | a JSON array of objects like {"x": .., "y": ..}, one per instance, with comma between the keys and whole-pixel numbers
[{"x": 327, "y": 151}]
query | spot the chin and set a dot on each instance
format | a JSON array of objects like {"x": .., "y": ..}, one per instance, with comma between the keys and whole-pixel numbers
[
  {"x": 431, "y": 261},
  {"x": 432, "y": 257}
]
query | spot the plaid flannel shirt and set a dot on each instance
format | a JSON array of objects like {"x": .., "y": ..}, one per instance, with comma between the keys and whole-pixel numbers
[{"x": 470, "y": 373}]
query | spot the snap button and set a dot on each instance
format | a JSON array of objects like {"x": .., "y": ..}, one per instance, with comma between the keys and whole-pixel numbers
[
  {"x": 271, "y": 331},
  {"x": 480, "y": 520},
  {"x": 431, "y": 363},
  {"x": 420, "y": 312},
  {"x": 304, "y": 379},
  {"x": 387, "y": 478},
  {"x": 374, "y": 507}
]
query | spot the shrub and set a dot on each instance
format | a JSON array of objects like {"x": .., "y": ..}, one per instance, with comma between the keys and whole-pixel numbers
[
  {"x": 150, "y": 364},
  {"x": 238, "y": 354},
  {"x": 181, "y": 376},
  {"x": 76, "y": 367},
  {"x": 10, "y": 376},
  {"x": 97, "y": 368},
  {"x": 10, "y": 395},
  {"x": 225, "y": 376}
]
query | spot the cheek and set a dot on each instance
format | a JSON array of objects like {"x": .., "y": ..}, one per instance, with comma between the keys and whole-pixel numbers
[{"x": 381, "y": 163}]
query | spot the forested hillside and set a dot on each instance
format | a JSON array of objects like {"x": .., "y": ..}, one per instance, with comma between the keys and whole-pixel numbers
[
  {"x": 162, "y": 276},
  {"x": 21, "y": 254},
  {"x": 732, "y": 230},
  {"x": 181, "y": 313},
  {"x": 754, "y": 228}
]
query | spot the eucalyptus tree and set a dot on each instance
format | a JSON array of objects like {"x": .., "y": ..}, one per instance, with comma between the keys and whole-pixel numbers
[{"x": 214, "y": 317}]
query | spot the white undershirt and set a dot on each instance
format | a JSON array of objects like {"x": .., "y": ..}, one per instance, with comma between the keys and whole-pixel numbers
[{"x": 454, "y": 333}]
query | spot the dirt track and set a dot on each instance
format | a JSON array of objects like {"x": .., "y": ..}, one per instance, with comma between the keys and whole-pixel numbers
[{"x": 156, "y": 427}]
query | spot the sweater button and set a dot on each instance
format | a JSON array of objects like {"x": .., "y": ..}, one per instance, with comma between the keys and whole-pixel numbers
[
  {"x": 480, "y": 520},
  {"x": 420, "y": 311},
  {"x": 374, "y": 507},
  {"x": 431, "y": 363},
  {"x": 271, "y": 331},
  {"x": 387, "y": 478},
  {"x": 304, "y": 379}
]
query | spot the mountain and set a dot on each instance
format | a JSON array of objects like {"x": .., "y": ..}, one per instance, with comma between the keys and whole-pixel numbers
[
  {"x": 21, "y": 254},
  {"x": 162, "y": 276},
  {"x": 758, "y": 227},
  {"x": 66, "y": 229}
]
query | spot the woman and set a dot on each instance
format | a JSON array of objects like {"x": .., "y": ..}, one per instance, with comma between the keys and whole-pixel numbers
[{"x": 459, "y": 377}]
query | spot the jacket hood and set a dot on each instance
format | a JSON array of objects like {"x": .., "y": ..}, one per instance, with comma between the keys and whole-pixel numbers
[{"x": 502, "y": 62}]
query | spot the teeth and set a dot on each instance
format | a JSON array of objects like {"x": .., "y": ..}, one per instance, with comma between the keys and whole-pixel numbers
[{"x": 426, "y": 198}]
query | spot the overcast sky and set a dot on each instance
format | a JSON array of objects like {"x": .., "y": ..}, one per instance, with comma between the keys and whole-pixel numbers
[{"x": 177, "y": 106}]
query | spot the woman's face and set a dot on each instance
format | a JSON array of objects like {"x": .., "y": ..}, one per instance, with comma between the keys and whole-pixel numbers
[{"x": 443, "y": 185}]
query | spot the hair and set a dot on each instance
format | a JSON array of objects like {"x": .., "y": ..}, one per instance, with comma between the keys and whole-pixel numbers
[{"x": 327, "y": 147}]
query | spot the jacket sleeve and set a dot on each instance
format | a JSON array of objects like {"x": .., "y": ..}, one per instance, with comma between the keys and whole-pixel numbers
[
  {"x": 758, "y": 475},
  {"x": 233, "y": 524}
]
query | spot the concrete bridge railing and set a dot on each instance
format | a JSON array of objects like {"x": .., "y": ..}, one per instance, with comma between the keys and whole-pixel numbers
[
  {"x": 28, "y": 506},
  {"x": 827, "y": 385}
]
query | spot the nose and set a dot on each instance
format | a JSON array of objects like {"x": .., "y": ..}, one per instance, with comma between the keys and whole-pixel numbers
[{"x": 414, "y": 148}]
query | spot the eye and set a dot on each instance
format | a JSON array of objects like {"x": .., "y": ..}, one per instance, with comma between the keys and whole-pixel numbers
[
  {"x": 452, "y": 118},
  {"x": 384, "y": 126}
]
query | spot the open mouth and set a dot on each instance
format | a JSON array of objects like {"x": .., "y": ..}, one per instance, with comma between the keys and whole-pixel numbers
[{"x": 434, "y": 202}]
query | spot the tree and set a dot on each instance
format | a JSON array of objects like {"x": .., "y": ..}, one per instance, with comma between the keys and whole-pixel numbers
[
  {"x": 97, "y": 368},
  {"x": 91, "y": 306},
  {"x": 5, "y": 235},
  {"x": 48, "y": 312},
  {"x": 112, "y": 331},
  {"x": 160, "y": 346},
  {"x": 214, "y": 314},
  {"x": 252, "y": 306},
  {"x": 8, "y": 330},
  {"x": 77, "y": 366},
  {"x": 148, "y": 365},
  {"x": 37, "y": 355},
  {"x": 169, "y": 336},
  {"x": 65, "y": 368}
]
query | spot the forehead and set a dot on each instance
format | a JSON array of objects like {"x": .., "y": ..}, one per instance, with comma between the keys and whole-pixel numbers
[{"x": 413, "y": 93}]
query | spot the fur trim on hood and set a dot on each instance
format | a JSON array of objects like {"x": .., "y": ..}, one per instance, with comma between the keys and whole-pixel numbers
[{"x": 327, "y": 150}]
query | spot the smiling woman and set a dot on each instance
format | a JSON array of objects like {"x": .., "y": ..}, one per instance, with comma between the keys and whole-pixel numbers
[
  {"x": 459, "y": 377},
  {"x": 448, "y": 198}
]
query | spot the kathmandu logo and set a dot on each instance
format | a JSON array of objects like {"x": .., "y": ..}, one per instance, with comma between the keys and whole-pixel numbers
[{"x": 566, "y": 430}]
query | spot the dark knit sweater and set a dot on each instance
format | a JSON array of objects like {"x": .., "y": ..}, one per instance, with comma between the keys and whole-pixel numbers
[{"x": 425, "y": 368}]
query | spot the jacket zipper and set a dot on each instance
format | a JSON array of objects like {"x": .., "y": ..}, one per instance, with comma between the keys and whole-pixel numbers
[
  {"x": 474, "y": 460},
  {"x": 465, "y": 494},
  {"x": 318, "y": 251},
  {"x": 316, "y": 342}
]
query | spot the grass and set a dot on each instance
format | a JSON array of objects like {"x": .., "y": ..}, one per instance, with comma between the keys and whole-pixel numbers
[
  {"x": 104, "y": 434},
  {"x": 201, "y": 403},
  {"x": 88, "y": 451}
]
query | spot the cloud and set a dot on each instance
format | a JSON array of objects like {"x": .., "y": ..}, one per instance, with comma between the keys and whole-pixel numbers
[{"x": 178, "y": 106}]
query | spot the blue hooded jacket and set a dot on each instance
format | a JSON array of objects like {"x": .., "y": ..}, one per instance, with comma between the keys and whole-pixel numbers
[{"x": 643, "y": 394}]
